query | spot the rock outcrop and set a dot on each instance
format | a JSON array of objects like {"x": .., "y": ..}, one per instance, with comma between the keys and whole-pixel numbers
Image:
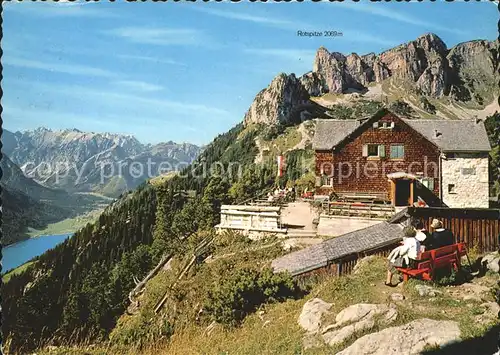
[
  {"x": 427, "y": 291},
  {"x": 472, "y": 65},
  {"x": 357, "y": 318},
  {"x": 422, "y": 61},
  {"x": 465, "y": 72},
  {"x": 277, "y": 102},
  {"x": 491, "y": 262},
  {"x": 410, "y": 338},
  {"x": 312, "y": 312}
]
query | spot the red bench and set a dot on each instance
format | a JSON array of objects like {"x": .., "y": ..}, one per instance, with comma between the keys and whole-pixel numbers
[{"x": 429, "y": 261}]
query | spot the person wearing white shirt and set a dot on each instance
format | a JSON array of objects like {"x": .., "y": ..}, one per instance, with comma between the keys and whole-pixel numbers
[{"x": 404, "y": 255}]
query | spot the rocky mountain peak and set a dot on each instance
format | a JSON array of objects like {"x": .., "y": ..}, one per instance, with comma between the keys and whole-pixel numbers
[
  {"x": 274, "y": 104},
  {"x": 431, "y": 41},
  {"x": 465, "y": 72}
]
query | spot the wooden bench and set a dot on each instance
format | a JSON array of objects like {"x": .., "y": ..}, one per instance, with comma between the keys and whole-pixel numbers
[{"x": 446, "y": 257}]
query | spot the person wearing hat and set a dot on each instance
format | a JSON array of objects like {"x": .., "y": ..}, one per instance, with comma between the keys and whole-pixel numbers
[
  {"x": 423, "y": 236},
  {"x": 440, "y": 236},
  {"x": 404, "y": 255}
]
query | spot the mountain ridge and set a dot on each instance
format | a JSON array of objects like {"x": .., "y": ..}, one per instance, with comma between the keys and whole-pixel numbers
[
  {"x": 424, "y": 69},
  {"x": 75, "y": 161}
]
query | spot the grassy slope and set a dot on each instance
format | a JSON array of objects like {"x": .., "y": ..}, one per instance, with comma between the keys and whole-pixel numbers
[
  {"x": 16, "y": 271},
  {"x": 68, "y": 225},
  {"x": 281, "y": 333}
]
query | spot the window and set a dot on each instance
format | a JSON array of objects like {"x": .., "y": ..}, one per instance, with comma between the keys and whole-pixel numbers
[
  {"x": 326, "y": 180},
  {"x": 428, "y": 183},
  {"x": 397, "y": 151},
  {"x": 468, "y": 171},
  {"x": 374, "y": 150},
  {"x": 383, "y": 125},
  {"x": 451, "y": 189}
]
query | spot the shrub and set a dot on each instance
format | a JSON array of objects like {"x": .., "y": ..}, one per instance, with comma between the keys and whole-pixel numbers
[
  {"x": 402, "y": 108},
  {"x": 240, "y": 293}
]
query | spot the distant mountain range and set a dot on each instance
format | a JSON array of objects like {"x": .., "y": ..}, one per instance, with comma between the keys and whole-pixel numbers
[
  {"x": 47, "y": 175},
  {"x": 106, "y": 163}
]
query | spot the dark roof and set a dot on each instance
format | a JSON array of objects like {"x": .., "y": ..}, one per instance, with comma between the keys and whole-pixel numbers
[
  {"x": 321, "y": 254},
  {"x": 455, "y": 135},
  {"x": 330, "y": 132},
  {"x": 400, "y": 216}
]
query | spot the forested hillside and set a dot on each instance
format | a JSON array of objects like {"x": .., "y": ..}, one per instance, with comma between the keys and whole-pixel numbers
[
  {"x": 78, "y": 290},
  {"x": 30, "y": 205},
  {"x": 19, "y": 211}
]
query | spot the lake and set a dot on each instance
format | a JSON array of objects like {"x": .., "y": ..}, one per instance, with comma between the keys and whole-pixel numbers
[{"x": 18, "y": 253}]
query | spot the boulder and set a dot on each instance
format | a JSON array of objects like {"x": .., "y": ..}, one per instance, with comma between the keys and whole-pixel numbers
[
  {"x": 338, "y": 336},
  {"x": 424, "y": 290},
  {"x": 357, "y": 318},
  {"x": 360, "y": 311},
  {"x": 470, "y": 292},
  {"x": 310, "y": 317},
  {"x": 409, "y": 339},
  {"x": 491, "y": 262},
  {"x": 491, "y": 312},
  {"x": 397, "y": 297}
]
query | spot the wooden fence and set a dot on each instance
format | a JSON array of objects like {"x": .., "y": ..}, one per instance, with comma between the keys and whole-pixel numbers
[
  {"x": 478, "y": 228},
  {"x": 475, "y": 227},
  {"x": 357, "y": 209}
]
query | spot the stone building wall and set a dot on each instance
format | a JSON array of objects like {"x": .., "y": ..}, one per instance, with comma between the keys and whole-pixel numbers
[{"x": 465, "y": 180}]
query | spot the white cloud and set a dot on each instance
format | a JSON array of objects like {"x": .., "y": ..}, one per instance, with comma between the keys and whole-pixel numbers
[
  {"x": 59, "y": 9},
  {"x": 391, "y": 13},
  {"x": 162, "y": 36},
  {"x": 53, "y": 66},
  {"x": 150, "y": 59},
  {"x": 295, "y": 25},
  {"x": 286, "y": 54},
  {"x": 32, "y": 116},
  {"x": 138, "y": 85},
  {"x": 264, "y": 20},
  {"x": 129, "y": 102}
]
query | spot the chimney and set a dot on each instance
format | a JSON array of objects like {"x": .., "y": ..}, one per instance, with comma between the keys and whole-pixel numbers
[{"x": 436, "y": 133}]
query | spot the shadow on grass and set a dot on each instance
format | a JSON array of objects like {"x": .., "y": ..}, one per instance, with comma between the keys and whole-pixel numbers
[{"x": 484, "y": 345}]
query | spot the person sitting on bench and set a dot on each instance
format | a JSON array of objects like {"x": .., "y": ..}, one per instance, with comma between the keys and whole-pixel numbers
[
  {"x": 404, "y": 255},
  {"x": 423, "y": 236},
  {"x": 440, "y": 236}
]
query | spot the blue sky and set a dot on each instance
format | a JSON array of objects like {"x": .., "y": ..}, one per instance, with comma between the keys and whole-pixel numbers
[{"x": 189, "y": 71}]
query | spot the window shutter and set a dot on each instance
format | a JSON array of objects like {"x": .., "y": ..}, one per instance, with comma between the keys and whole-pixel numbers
[
  {"x": 375, "y": 124},
  {"x": 381, "y": 151},
  {"x": 365, "y": 150},
  {"x": 318, "y": 181}
]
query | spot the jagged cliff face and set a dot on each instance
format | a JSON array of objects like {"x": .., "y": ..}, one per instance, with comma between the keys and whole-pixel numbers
[
  {"x": 275, "y": 103},
  {"x": 465, "y": 73},
  {"x": 473, "y": 66},
  {"x": 83, "y": 161},
  {"x": 425, "y": 62}
]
